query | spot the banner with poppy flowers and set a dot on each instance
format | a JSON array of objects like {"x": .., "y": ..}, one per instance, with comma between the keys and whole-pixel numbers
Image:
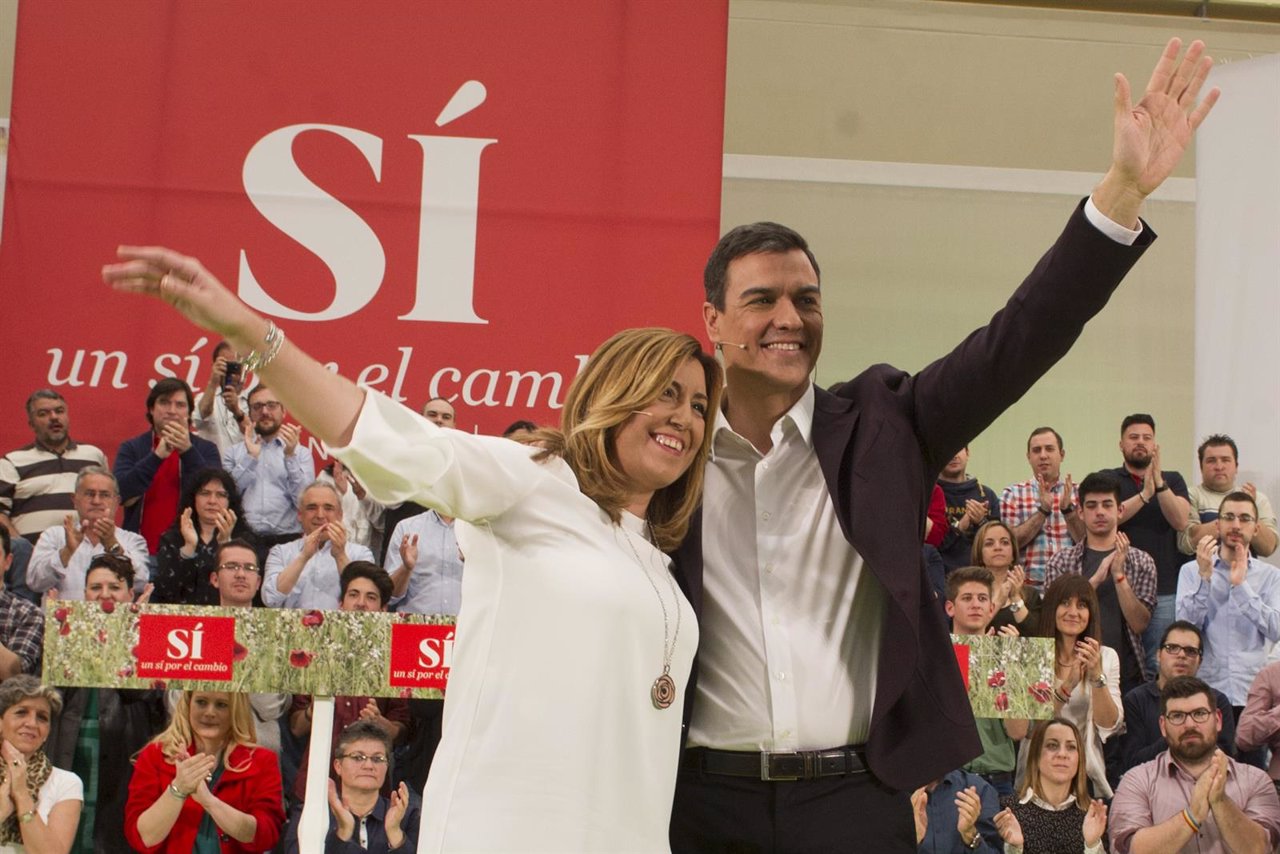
[
  {"x": 256, "y": 650},
  {"x": 1007, "y": 677}
]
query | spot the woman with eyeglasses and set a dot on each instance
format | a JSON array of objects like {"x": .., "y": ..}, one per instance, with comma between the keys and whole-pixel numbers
[
  {"x": 1017, "y": 604},
  {"x": 210, "y": 515},
  {"x": 574, "y": 641},
  {"x": 1053, "y": 812},
  {"x": 360, "y": 818},
  {"x": 203, "y": 786},
  {"x": 1086, "y": 683}
]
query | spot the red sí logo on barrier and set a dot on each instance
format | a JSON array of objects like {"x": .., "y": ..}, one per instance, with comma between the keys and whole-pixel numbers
[
  {"x": 176, "y": 646},
  {"x": 420, "y": 655}
]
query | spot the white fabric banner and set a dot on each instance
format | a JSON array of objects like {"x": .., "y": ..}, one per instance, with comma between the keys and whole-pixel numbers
[{"x": 1237, "y": 349}]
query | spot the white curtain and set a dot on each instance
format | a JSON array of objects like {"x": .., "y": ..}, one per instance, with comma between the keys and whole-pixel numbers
[{"x": 1237, "y": 346}]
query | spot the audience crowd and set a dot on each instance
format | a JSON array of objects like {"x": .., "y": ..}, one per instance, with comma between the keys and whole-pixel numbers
[{"x": 1159, "y": 596}]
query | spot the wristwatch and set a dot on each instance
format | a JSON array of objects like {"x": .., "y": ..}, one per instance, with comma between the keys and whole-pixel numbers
[
  {"x": 1016, "y": 605},
  {"x": 1161, "y": 488},
  {"x": 1101, "y": 681},
  {"x": 977, "y": 840},
  {"x": 1067, "y": 509}
]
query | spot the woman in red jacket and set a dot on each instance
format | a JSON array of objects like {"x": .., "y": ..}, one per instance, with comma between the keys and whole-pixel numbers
[{"x": 202, "y": 786}]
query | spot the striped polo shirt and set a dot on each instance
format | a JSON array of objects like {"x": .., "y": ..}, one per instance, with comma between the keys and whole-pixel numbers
[{"x": 36, "y": 485}]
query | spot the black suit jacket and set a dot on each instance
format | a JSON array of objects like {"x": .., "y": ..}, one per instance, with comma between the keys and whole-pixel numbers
[{"x": 881, "y": 439}]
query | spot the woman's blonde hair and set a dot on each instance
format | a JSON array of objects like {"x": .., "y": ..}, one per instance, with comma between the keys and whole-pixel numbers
[
  {"x": 178, "y": 735},
  {"x": 624, "y": 375},
  {"x": 1080, "y": 786}
]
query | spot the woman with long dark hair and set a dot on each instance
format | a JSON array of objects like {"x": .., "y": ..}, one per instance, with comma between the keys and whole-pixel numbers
[
  {"x": 1086, "y": 684},
  {"x": 210, "y": 515}
]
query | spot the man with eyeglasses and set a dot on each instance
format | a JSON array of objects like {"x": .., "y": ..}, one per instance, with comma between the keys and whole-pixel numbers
[
  {"x": 360, "y": 818},
  {"x": 271, "y": 467},
  {"x": 237, "y": 576},
  {"x": 1179, "y": 655},
  {"x": 63, "y": 552},
  {"x": 1193, "y": 797},
  {"x": 1233, "y": 598}
]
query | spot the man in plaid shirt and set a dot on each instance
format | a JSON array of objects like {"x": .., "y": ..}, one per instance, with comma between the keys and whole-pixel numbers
[
  {"x": 1124, "y": 577},
  {"x": 1041, "y": 511},
  {"x": 21, "y": 624}
]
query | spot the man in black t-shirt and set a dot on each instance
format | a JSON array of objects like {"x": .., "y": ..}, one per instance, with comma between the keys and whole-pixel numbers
[{"x": 1153, "y": 510}]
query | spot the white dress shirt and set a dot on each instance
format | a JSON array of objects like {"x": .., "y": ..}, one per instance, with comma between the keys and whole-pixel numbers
[
  {"x": 791, "y": 622},
  {"x": 45, "y": 570},
  {"x": 318, "y": 586},
  {"x": 435, "y": 580}
]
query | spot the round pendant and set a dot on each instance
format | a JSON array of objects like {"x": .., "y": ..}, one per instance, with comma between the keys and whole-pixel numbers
[{"x": 664, "y": 692}]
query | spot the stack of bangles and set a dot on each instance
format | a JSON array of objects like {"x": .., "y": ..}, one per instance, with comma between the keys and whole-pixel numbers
[
  {"x": 1062, "y": 696},
  {"x": 1190, "y": 820},
  {"x": 271, "y": 344}
]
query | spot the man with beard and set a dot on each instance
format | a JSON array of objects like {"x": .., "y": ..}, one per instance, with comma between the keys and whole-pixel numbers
[
  {"x": 969, "y": 504},
  {"x": 37, "y": 480},
  {"x": 1193, "y": 797},
  {"x": 1180, "y": 652},
  {"x": 1153, "y": 510},
  {"x": 271, "y": 468},
  {"x": 1233, "y": 598},
  {"x": 154, "y": 468}
]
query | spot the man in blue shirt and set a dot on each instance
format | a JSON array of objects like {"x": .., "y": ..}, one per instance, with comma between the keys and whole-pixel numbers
[
  {"x": 1234, "y": 599},
  {"x": 955, "y": 814},
  {"x": 271, "y": 468}
]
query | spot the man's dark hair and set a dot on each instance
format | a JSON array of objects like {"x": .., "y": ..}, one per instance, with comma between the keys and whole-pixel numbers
[
  {"x": 1183, "y": 626},
  {"x": 1099, "y": 483},
  {"x": 259, "y": 387},
  {"x": 5, "y": 542},
  {"x": 119, "y": 566},
  {"x": 166, "y": 387},
  {"x": 968, "y": 575},
  {"x": 365, "y": 569},
  {"x": 362, "y": 730},
  {"x": 1215, "y": 440},
  {"x": 748, "y": 240},
  {"x": 517, "y": 426},
  {"x": 1182, "y": 687},
  {"x": 1137, "y": 418},
  {"x": 1240, "y": 495},
  {"x": 1039, "y": 430},
  {"x": 235, "y": 543},
  {"x": 41, "y": 394}
]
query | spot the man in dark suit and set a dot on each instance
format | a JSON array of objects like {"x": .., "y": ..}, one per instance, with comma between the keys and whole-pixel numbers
[
  {"x": 154, "y": 468},
  {"x": 826, "y": 689}
]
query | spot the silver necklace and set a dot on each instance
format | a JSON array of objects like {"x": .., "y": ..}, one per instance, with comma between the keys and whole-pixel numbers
[{"x": 663, "y": 692}]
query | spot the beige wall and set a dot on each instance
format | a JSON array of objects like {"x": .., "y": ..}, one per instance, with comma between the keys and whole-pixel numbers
[{"x": 909, "y": 270}]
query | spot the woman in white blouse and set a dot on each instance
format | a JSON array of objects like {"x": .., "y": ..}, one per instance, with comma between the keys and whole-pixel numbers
[
  {"x": 574, "y": 643},
  {"x": 39, "y": 804},
  {"x": 1086, "y": 685}
]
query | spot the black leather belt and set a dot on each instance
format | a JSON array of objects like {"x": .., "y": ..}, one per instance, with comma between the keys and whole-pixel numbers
[{"x": 778, "y": 764}]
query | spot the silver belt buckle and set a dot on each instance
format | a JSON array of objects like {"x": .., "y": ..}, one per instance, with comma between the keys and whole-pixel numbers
[{"x": 767, "y": 775}]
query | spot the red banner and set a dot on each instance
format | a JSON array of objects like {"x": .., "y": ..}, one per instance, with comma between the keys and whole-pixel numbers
[
  {"x": 176, "y": 646},
  {"x": 421, "y": 655},
  {"x": 455, "y": 199}
]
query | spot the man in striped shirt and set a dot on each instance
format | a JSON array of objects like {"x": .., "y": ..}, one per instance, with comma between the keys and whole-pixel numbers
[{"x": 38, "y": 480}]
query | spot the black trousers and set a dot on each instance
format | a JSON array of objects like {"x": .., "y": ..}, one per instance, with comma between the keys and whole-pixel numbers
[{"x": 716, "y": 814}]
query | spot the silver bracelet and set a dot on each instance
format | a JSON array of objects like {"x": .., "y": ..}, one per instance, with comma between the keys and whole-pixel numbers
[{"x": 271, "y": 344}]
